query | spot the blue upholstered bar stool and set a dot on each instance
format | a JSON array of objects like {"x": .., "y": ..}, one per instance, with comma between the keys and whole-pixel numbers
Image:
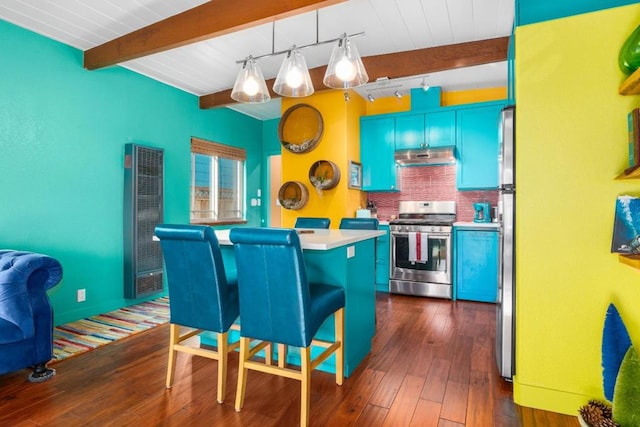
[
  {"x": 278, "y": 304},
  {"x": 359, "y": 223},
  {"x": 309, "y": 222},
  {"x": 199, "y": 295}
]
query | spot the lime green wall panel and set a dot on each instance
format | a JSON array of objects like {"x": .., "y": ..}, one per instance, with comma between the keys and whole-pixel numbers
[
  {"x": 62, "y": 136},
  {"x": 571, "y": 142}
]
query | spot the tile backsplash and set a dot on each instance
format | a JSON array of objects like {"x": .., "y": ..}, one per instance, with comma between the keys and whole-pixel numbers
[{"x": 430, "y": 183}]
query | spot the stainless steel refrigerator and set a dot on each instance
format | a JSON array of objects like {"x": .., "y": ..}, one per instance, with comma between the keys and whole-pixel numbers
[{"x": 505, "y": 319}]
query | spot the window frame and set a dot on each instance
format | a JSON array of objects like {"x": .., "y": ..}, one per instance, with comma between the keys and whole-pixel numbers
[{"x": 217, "y": 150}]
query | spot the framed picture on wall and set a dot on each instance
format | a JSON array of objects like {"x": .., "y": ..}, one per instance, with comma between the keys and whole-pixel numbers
[
  {"x": 355, "y": 175},
  {"x": 626, "y": 237}
]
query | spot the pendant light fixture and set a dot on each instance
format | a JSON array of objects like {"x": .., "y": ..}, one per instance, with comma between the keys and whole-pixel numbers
[
  {"x": 293, "y": 79},
  {"x": 250, "y": 85},
  {"x": 345, "y": 69}
]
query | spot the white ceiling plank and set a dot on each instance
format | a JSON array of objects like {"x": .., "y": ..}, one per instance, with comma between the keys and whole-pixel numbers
[
  {"x": 437, "y": 15},
  {"x": 417, "y": 24},
  {"x": 210, "y": 66},
  {"x": 461, "y": 17}
]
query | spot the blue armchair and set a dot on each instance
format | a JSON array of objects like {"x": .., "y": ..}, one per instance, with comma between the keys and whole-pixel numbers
[{"x": 26, "y": 316}]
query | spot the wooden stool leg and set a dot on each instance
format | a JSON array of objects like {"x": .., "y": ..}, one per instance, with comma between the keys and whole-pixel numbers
[
  {"x": 282, "y": 355},
  {"x": 242, "y": 372},
  {"x": 339, "y": 336},
  {"x": 174, "y": 338},
  {"x": 223, "y": 349},
  {"x": 305, "y": 385},
  {"x": 268, "y": 354}
]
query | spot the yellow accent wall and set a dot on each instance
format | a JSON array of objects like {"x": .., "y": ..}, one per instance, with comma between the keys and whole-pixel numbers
[
  {"x": 392, "y": 104},
  {"x": 389, "y": 104},
  {"x": 340, "y": 143},
  {"x": 571, "y": 142},
  {"x": 473, "y": 95}
]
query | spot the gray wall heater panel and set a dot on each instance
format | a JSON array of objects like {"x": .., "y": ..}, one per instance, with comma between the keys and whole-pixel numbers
[{"x": 143, "y": 210}]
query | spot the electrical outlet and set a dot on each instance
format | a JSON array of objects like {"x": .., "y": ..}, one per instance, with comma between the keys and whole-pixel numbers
[
  {"x": 351, "y": 251},
  {"x": 82, "y": 295}
]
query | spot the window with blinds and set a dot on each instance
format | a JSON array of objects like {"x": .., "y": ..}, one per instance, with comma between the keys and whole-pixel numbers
[{"x": 217, "y": 182}]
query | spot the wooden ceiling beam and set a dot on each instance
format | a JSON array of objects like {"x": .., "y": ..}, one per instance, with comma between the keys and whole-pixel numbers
[
  {"x": 212, "y": 19},
  {"x": 400, "y": 64}
]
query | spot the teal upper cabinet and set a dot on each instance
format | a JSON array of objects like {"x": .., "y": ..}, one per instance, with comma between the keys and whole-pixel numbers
[
  {"x": 440, "y": 128},
  {"x": 376, "y": 153},
  {"x": 477, "y": 143},
  {"x": 410, "y": 132},
  {"x": 430, "y": 130}
]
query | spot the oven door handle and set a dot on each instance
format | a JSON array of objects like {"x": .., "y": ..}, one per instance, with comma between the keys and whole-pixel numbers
[{"x": 437, "y": 234}]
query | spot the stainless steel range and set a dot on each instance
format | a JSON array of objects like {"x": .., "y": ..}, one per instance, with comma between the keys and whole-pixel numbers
[{"x": 421, "y": 249}]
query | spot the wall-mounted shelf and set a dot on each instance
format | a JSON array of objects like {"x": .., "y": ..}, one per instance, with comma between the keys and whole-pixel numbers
[
  {"x": 634, "y": 174},
  {"x": 631, "y": 86},
  {"x": 631, "y": 260}
]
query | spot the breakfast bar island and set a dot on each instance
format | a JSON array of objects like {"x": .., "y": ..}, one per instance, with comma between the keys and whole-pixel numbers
[{"x": 344, "y": 258}]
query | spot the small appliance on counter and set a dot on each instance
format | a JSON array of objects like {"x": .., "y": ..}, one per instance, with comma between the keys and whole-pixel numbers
[
  {"x": 370, "y": 212},
  {"x": 363, "y": 213},
  {"x": 482, "y": 212}
]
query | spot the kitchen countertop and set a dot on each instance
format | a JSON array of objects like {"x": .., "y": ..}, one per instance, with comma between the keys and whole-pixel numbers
[
  {"x": 320, "y": 239},
  {"x": 483, "y": 225}
]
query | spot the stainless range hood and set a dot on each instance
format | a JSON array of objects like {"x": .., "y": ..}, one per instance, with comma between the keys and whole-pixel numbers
[{"x": 426, "y": 156}]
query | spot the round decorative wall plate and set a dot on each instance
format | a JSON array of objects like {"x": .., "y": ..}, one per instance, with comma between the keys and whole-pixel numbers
[
  {"x": 300, "y": 128},
  {"x": 293, "y": 195},
  {"x": 324, "y": 175}
]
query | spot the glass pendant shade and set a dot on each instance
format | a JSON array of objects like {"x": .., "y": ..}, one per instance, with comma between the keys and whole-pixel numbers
[
  {"x": 250, "y": 85},
  {"x": 293, "y": 78},
  {"x": 345, "y": 69}
]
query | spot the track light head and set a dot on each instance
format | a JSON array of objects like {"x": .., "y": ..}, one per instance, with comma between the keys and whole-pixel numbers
[
  {"x": 397, "y": 94},
  {"x": 370, "y": 98}
]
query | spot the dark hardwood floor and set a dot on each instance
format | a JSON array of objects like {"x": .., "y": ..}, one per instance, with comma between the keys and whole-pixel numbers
[{"x": 432, "y": 364}]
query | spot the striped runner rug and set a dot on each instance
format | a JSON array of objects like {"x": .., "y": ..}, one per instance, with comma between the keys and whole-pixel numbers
[{"x": 84, "y": 335}]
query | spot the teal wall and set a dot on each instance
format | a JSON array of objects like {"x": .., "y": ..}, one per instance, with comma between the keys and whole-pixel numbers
[
  {"x": 532, "y": 11},
  {"x": 270, "y": 146},
  {"x": 62, "y": 136}
]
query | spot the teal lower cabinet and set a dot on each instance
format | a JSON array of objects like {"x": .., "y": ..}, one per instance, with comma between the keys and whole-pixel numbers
[
  {"x": 382, "y": 260},
  {"x": 476, "y": 264}
]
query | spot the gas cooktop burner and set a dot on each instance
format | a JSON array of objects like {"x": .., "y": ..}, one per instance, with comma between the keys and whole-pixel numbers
[
  {"x": 422, "y": 221},
  {"x": 425, "y": 213}
]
